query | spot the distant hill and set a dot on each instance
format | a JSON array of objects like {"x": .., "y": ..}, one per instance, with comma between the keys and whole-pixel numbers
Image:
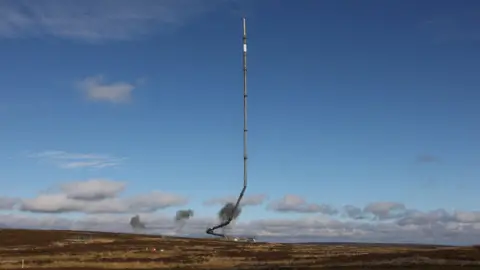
[{"x": 360, "y": 244}]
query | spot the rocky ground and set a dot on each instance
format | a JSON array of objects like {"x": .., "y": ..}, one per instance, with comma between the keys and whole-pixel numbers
[{"x": 74, "y": 250}]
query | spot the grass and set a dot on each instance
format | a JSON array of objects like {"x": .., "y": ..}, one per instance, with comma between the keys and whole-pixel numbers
[{"x": 75, "y": 250}]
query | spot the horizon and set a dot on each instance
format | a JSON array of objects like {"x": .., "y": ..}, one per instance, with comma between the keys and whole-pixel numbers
[
  {"x": 262, "y": 239},
  {"x": 362, "y": 117}
]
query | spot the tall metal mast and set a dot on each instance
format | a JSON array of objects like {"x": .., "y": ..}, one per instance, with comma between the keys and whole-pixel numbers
[
  {"x": 245, "y": 96},
  {"x": 245, "y": 130}
]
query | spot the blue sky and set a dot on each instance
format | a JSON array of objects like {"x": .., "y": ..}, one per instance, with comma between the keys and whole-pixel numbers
[{"x": 349, "y": 102}]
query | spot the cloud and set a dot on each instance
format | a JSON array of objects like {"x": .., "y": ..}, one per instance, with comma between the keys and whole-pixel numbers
[
  {"x": 93, "y": 189},
  {"x": 249, "y": 200},
  {"x": 100, "y": 206},
  {"x": 61, "y": 203},
  {"x": 97, "y": 90},
  {"x": 414, "y": 217},
  {"x": 68, "y": 160},
  {"x": 308, "y": 228},
  {"x": 293, "y": 203},
  {"x": 8, "y": 203},
  {"x": 353, "y": 212},
  {"x": 96, "y": 21},
  {"x": 376, "y": 211},
  {"x": 99, "y": 196},
  {"x": 385, "y": 210},
  {"x": 467, "y": 217}
]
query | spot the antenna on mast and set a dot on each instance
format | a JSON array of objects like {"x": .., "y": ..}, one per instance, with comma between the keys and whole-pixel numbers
[{"x": 245, "y": 130}]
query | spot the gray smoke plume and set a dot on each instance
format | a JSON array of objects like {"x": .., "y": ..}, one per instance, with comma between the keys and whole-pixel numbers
[
  {"x": 181, "y": 218},
  {"x": 228, "y": 211},
  {"x": 136, "y": 224}
]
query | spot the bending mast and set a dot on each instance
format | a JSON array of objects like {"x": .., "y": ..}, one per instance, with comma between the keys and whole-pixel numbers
[{"x": 245, "y": 130}]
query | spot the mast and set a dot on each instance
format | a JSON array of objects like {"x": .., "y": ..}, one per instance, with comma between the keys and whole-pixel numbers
[
  {"x": 245, "y": 96},
  {"x": 245, "y": 131}
]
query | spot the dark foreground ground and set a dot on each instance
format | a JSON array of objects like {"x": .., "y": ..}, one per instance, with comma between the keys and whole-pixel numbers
[{"x": 75, "y": 250}]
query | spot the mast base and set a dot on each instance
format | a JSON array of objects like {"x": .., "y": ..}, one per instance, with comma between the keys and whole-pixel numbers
[{"x": 240, "y": 239}]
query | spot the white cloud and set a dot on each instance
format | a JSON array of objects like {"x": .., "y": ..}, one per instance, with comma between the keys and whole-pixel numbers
[
  {"x": 61, "y": 203},
  {"x": 68, "y": 160},
  {"x": 153, "y": 201},
  {"x": 385, "y": 210},
  {"x": 93, "y": 189},
  {"x": 97, "y": 90},
  {"x": 249, "y": 200},
  {"x": 96, "y": 21},
  {"x": 99, "y": 196},
  {"x": 293, "y": 203},
  {"x": 467, "y": 217},
  {"x": 7, "y": 203},
  {"x": 52, "y": 203}
]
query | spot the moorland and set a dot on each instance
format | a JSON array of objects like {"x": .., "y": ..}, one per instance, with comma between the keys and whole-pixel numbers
[{"x": 55, "y": 249}]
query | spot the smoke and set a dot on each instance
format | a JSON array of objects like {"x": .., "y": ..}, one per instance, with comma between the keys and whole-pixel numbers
[
  {"x": 136, "y": 224},
  {"x": 181, "y": 218},
  {"x": 227, "y": 212}
]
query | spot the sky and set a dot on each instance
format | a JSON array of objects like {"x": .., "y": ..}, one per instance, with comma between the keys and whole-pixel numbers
[{"x": 362, "y": 117}]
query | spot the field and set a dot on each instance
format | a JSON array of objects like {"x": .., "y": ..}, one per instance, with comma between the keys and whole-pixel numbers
[{"x": 73, "y": 250}]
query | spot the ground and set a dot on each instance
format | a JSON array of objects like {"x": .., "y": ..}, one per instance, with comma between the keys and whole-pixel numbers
[{"x": 86, "y": 250}]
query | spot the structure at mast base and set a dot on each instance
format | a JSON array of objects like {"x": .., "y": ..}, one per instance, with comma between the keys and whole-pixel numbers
[{"x": 241, "y": 239}]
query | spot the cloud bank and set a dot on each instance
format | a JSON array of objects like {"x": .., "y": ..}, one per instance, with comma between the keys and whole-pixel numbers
[
  {"x": 100, "y": 206},
  {"x": 98, "y": 196},
  {"x": 308, "y": 228}
]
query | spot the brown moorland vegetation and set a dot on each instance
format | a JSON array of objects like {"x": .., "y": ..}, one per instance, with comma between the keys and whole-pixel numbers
[{"x": 86, "y": 250}]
